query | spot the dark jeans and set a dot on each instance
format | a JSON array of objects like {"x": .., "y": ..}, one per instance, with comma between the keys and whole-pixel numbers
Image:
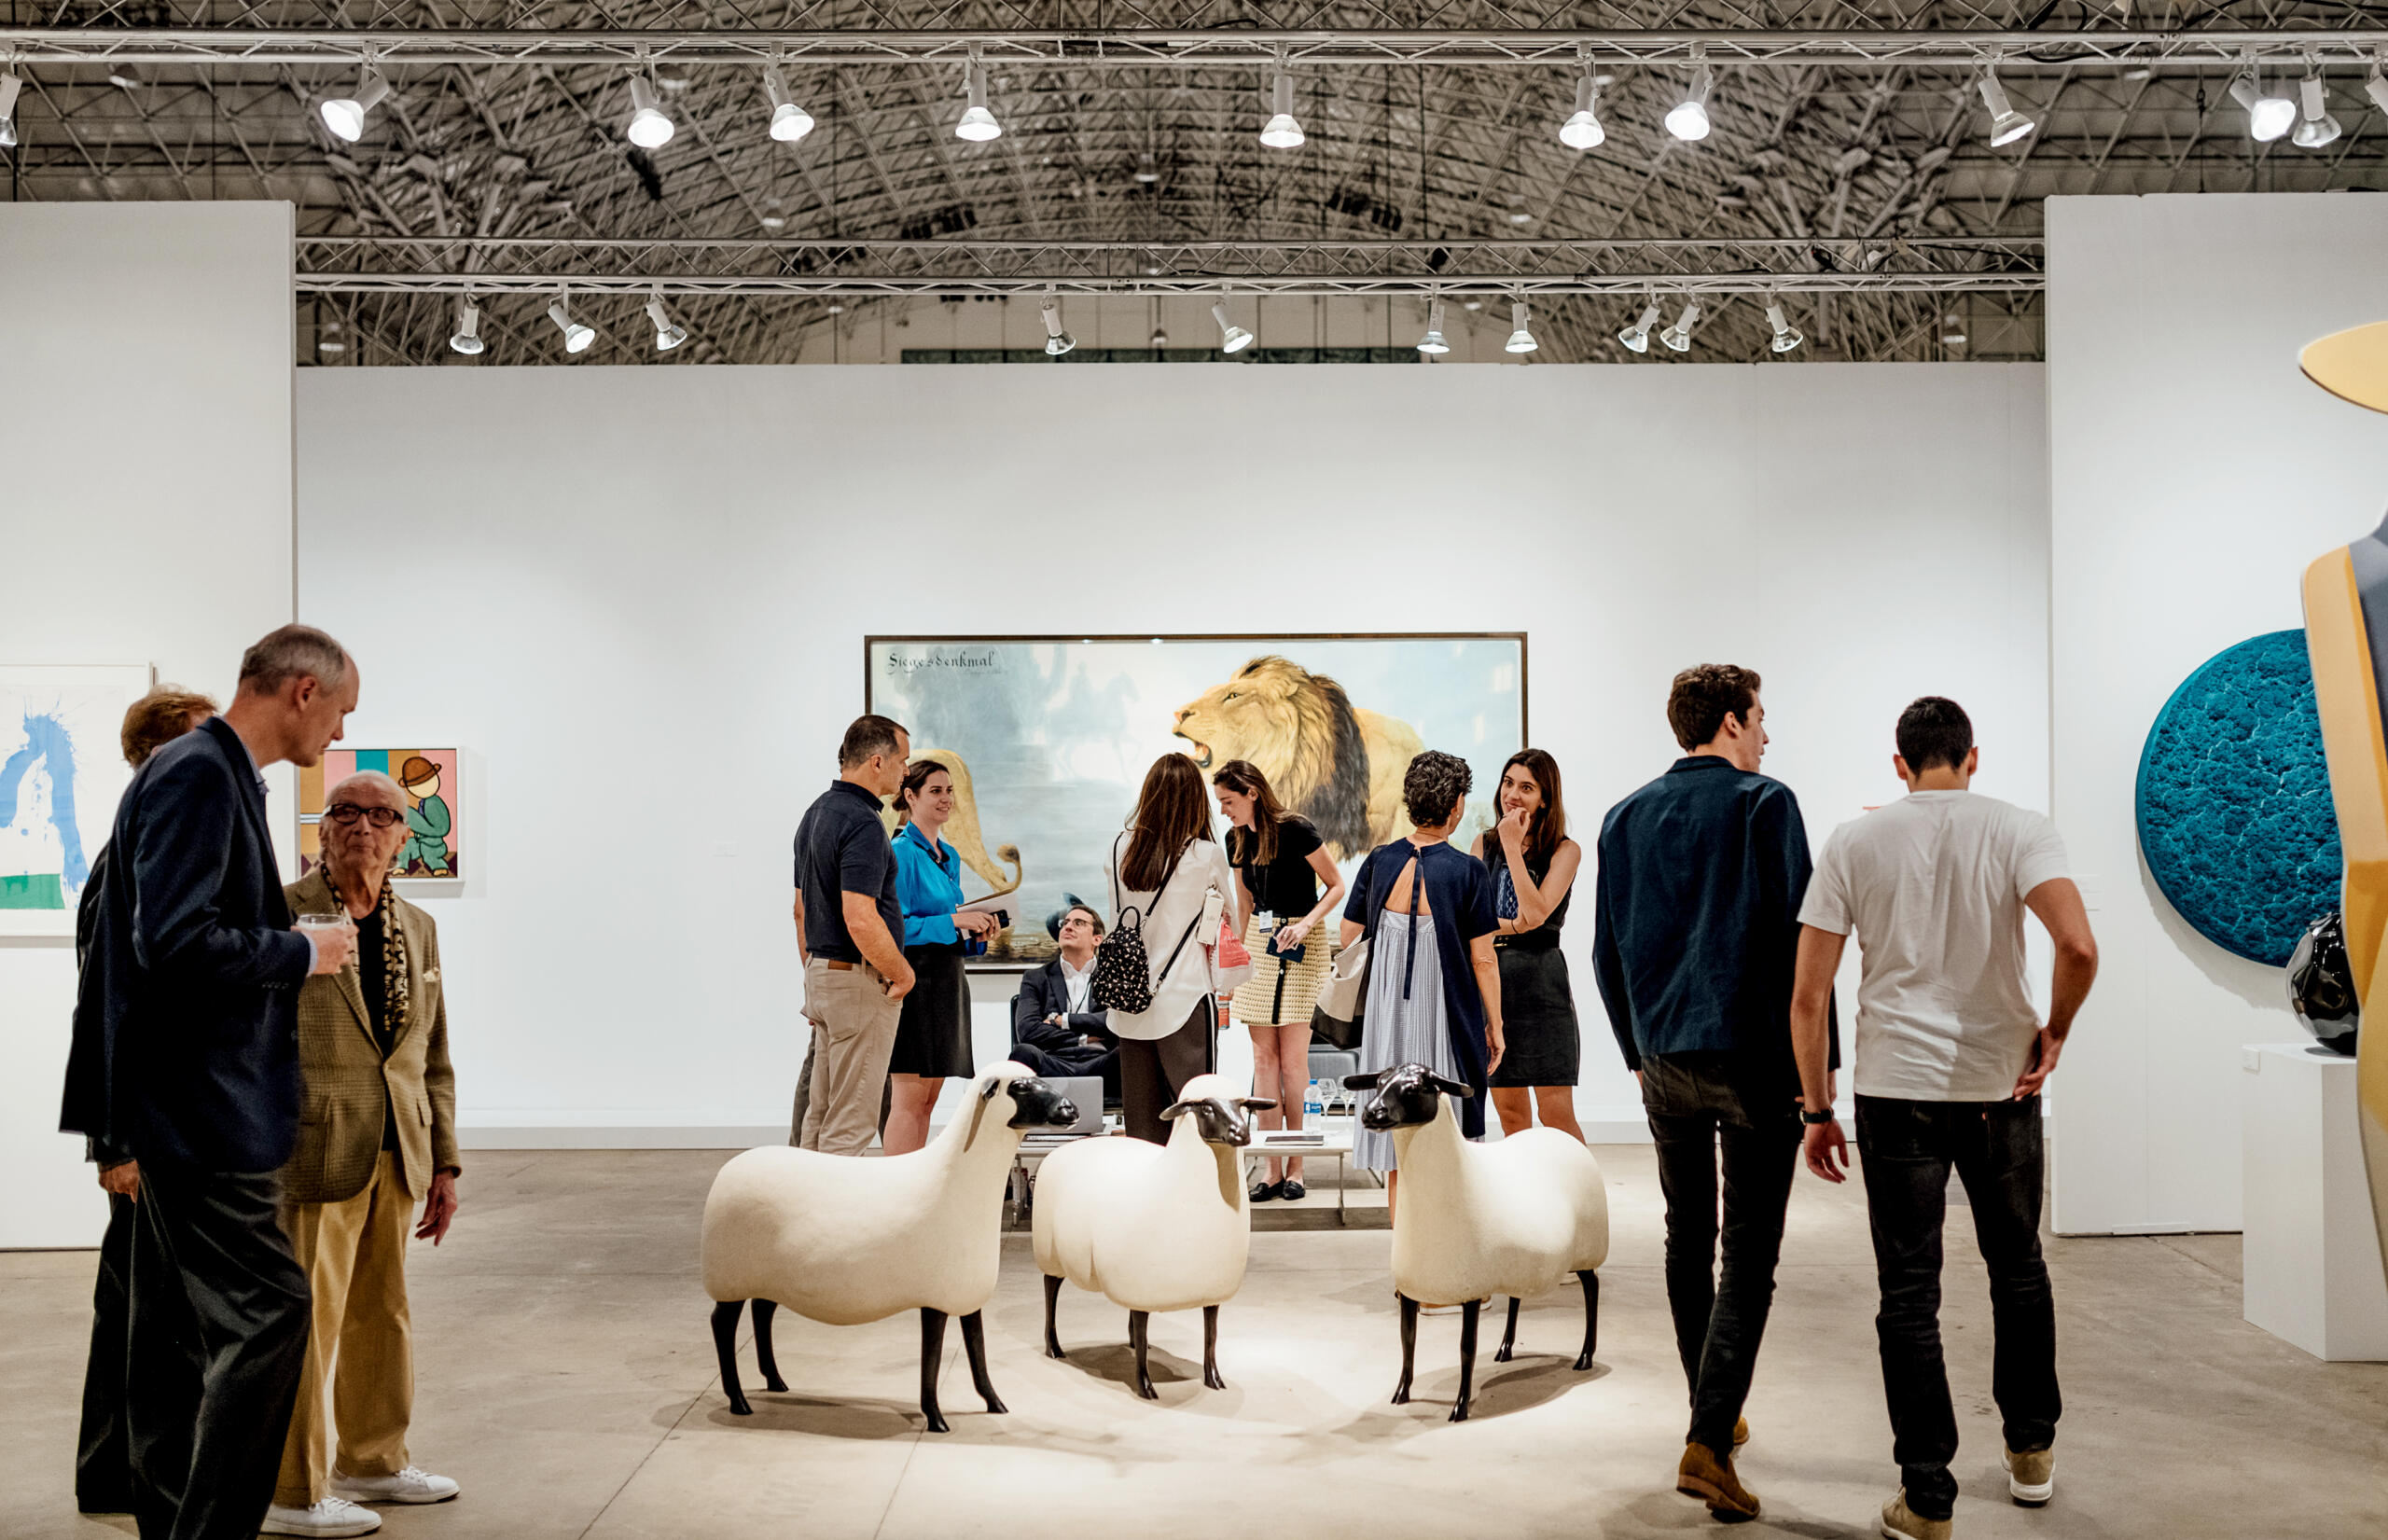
[
  {"x": 103, "y": 1459},
  {"x": 1152, "y": 1071},
  {"x": 220, "y": 1312},
  {"x": 1905, "y": 1150},
  {"x": 1698, "y": 1104}
]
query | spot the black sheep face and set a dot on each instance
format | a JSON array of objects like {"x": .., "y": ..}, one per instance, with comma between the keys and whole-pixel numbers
[
  {"x": 1035, "y": 1103},
  {"x": 1221, "y": 1122},
  {"x": 1408, "y": 1096}
]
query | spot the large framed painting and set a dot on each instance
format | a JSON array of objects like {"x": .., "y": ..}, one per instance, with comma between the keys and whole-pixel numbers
[
  {"x": 62, "y": 774},
  {"x": 1048, "y": 738},
  {"x": 436, "y": 849}
]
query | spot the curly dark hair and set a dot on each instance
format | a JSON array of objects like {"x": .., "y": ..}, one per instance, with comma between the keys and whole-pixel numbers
[
  {"x": 1434, "y": 785},
  {"x": 1704, "y": 695}
]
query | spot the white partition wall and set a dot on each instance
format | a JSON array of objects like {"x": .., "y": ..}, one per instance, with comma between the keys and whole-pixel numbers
[
  {"x": 638, "y": 597},
  {"x": 145, "y": 518},
  {"x": 2194, "y": 474}
]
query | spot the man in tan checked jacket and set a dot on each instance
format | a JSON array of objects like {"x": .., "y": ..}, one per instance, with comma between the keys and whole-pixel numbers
[{"x": 376, "y": 1134}]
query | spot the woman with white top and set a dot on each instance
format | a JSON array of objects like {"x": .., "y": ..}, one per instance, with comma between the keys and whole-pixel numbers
[{"x": 1170, "y": 879}]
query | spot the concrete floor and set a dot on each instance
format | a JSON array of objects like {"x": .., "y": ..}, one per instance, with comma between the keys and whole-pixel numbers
[{"x": 567, "y": 1380}]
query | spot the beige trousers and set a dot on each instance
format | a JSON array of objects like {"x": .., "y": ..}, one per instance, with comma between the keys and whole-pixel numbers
[
  {"x": 355, "y": 1256},
  {"x": 854, "y": 1037}
]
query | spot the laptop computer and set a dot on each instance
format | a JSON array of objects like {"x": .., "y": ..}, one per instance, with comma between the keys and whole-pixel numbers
[{"x": 1086, "y": 1095}]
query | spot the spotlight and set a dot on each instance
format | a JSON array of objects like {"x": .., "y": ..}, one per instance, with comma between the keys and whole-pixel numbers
[
  {"x": 9, "y": 87},
  {"x": 1282, "y": 131},
  {"x": 1160, "y": 338},
  {"x": 1232, "y": 338},
  {"x": 1057, "y": 341},
  {"x": 2006, "y": 125},
  {"x": 121, "y": 75},
  {"x": 1636, "y": 336},
  {"x": 2267, "y": 117},
  {"x": 1687, "y": 119},
  {"x": 667, "y": 335},
  {"x": 649, "y": 128},
  {"x": 1678, "y": 335},
  {"x": 2374, "y": 86},
  {"x": 1786, "y": 336},
  {"x": 467, "y": 340},
  {"x": 1148, "y": 172},
  {"x": 789, "y": 122},
  {"x": 577, "y": 336},
  {"x": 978, "y": 124},
  {"x": 2318, "y": 127},
  {"x": 1433, "y": 341},
  {"x": 1520, "y": 336},
  {"x": 345, "y": 114},
  {"x": 1583, "y": 131}
]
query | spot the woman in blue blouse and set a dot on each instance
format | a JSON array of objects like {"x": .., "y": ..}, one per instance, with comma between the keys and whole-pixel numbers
[
  {"x": 1434, "y": 979},
  {"x": 933, "y": 1036}
]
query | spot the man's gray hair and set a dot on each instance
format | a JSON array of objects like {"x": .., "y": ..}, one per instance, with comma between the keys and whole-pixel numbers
[
  {"x": 372, "y": 778},
  {"x": 292, "y": 652}
]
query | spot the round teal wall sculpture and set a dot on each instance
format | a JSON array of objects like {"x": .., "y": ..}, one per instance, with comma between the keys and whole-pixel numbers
[{"x": 2235, "y": 818}]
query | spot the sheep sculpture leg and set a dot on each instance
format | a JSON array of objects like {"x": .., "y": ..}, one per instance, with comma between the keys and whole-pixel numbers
[
  {"x": 1509, "y": 1337},
  {"x": 1211, "y": 1348},
  {"x": 974, "y": 1342},
  {"x": 1466, "y": 1358},
  {"x": 725, "y": 1347},
  {"x": 1138, "y": 1324},
  {"x": 764, "y": 1310},
  {"x": 931, "y": 1357},
  {"x": 1591, "y": 1281},
  {"x": 1409, "y": 1348},
  {"x": 1052, "y": 1302}
]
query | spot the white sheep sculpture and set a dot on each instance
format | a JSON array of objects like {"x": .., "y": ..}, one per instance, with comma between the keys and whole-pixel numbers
[
  {"x": 845, "y": 1241},
  {"x": 1153, "y": 1227},
  {"x": 1477, "y": 1220}
]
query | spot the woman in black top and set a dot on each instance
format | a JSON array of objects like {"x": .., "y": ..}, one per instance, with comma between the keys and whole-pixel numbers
[
  {"x": 1281, "y": 866},
  {"x": 1533, "y": 867}
]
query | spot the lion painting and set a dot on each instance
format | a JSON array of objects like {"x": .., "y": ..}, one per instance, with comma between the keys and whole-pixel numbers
[{"x": 1336, "y": 765}]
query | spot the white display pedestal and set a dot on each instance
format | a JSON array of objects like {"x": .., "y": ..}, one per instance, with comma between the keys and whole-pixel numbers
[{"x": 2311, "y": 1261}]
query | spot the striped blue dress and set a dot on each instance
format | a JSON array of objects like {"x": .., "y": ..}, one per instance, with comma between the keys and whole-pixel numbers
[{"x": 1403, "y": 1025}]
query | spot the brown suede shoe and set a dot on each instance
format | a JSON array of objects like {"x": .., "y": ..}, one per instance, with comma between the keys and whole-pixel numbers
[
  {"x": 1703, "y": 1476},
  {"x": 1901, "y": 1522},
  {"x": 1740, "y": 1433},
  {"x": 2030, "y": 1475}
]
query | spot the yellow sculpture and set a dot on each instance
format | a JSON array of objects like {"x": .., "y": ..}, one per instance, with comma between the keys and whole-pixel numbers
[{"x": 2346, "y": 634}]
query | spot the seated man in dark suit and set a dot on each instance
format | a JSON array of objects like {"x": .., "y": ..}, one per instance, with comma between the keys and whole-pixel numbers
[{"x": 1055, "y": 1029}]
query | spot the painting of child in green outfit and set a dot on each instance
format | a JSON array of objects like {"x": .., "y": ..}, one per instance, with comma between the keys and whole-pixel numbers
[{"x": 428, "y": 822}]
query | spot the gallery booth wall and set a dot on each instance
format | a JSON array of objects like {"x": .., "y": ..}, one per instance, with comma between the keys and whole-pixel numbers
[{"x": 637, "y": 599}]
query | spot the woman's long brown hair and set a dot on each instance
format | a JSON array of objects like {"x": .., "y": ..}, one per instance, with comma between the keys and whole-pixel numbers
[
  {"x": 1172, "y": 812},
  {"x": 1547, "y": 828},
  {"x": 1256, "y": 845}
]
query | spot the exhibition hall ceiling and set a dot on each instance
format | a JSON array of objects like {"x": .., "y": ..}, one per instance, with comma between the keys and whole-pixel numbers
[{"x": 1131, "y": 144}]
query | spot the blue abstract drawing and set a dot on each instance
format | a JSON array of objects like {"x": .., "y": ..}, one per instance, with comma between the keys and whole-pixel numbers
[
  {"x": 61, "y": 774},
  {"x": 2234, "y": 811}
]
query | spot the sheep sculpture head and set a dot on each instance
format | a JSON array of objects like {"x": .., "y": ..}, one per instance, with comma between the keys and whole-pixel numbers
[
  {"x": 1035, "y": 1102},
  {"x": 1219, "y": 1120},
  {"x": 1406, "y": 1096}
]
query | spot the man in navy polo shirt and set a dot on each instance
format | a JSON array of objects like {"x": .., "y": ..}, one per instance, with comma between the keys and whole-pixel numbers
[{"x": 848, "y": 921}]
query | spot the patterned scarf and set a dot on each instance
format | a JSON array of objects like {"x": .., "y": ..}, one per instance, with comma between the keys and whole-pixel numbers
[{"x": 393, "y": 962}]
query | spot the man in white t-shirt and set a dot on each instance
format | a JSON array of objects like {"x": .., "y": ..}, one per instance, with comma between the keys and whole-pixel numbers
[{"x": 1951, "y": 1059}]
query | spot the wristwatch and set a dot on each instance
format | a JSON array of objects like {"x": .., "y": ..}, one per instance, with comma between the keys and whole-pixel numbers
[{"x": 1817, "y": 1119}]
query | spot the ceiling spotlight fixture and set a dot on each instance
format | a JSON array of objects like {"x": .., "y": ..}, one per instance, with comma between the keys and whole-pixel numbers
[
  {"x": 667, "y": 334},
  {"x": 2267, "y": 117},
  {"x": 1952, "y": 329},
  {"x": 9, "y": 87},
  {"x": 2317, "y": 128},
  {"x": 789, "y": 122},
  {"x": 1520, "y": 333},
  {"x": 1636, "y": 336},
  {"x": 2006, "y": 125},
  {"x": 1786, "y": 336},
  {"x": 2374, "y": 86},
  {"x": 1583, "y": 131},
  {"x": 649, "y": 128},
  {"x": 345, "y": 114},
  {"x": 1283, "y": 132},
  {"x": 1148, "y": 172},
  {"x": 978, "y": 124},
  {"x": 467, "y": 340},
  {"x": 121, "y": 75},
  {"x": 1687, "y": 119},
  {"x": 1160, "y": 338},
  {"x": 1433, "y": 343},
  {"x": 1678, "y": 335},
  {"x": 577, "y": 336},
  {"x": 1232, "y": 338},
  {"x": 1057, "y": 341}
]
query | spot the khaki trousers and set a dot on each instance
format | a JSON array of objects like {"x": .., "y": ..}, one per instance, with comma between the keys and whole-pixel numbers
[
  {"x": 355, "y": 1254},
  {"x": 854, "y": 1037}
]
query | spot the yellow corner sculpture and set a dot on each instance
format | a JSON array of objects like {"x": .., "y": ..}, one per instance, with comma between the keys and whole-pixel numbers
[{"x": 2346, "y": 634}]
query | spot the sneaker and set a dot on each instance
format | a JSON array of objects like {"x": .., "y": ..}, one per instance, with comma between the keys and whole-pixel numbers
[
  {"x": 1703, "y": 1476},
  {"x": 333, "y": 1516},
  {"x": 410, "y": 1485},
  {"x": 1901, "y": 1522},
  {"x": 2031, "y": 1475}
]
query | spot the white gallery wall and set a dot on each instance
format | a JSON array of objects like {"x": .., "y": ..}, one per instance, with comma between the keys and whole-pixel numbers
[
  {"x": 2195, "y": 473},
  {"x": 638, "y": 597},
  {"x": 144, "y": 426}
]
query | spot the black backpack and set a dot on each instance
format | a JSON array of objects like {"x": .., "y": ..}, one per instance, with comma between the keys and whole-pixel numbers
[{"x": 1123, "y": 978}]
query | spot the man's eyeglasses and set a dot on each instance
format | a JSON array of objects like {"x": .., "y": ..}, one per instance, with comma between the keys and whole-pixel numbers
[{"x": 349, "y": 813}]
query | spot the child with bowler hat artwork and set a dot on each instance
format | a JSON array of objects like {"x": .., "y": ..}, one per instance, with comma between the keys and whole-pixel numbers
[{"x": 428, "y": 821}]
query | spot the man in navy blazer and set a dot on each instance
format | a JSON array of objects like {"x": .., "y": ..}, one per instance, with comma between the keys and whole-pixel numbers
[
  {"x": 190, "y": 990},
  {"x": 1055, "y": 1029}
]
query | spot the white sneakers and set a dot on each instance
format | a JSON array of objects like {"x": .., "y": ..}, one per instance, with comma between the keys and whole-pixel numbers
[
  {"x": 410, "y": 1485},
  {"x": 333, "y": 1516}
]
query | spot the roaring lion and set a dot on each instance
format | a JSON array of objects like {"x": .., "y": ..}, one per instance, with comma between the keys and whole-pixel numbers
[{"x": 1336, "y": 765}]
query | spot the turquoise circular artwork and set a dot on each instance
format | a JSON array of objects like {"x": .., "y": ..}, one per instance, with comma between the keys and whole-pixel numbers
[{"x": 2235, "y": 818}]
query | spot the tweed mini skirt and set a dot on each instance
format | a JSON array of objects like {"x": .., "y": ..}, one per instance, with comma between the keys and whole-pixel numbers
[{"x": 1278, "y": 991}]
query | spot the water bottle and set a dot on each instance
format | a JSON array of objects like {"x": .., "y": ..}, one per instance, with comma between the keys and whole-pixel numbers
[{"x": 1314, "y": 1100}]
